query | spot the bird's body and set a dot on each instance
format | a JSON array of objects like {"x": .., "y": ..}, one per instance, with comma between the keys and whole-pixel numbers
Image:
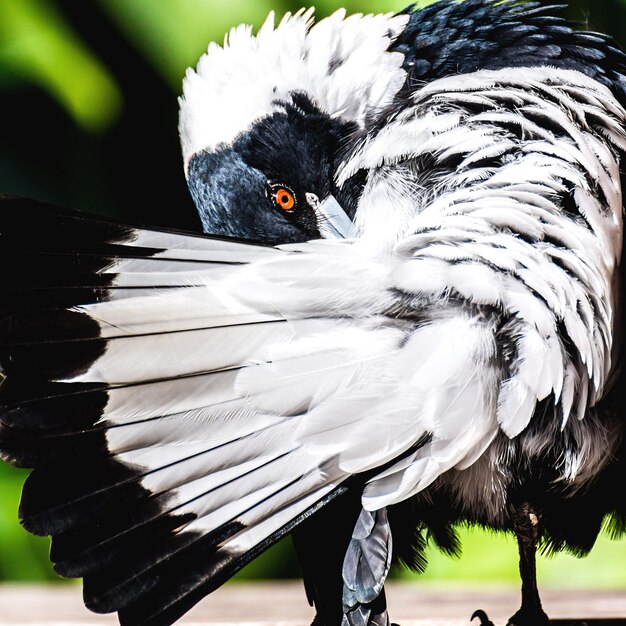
[{"x": 452, "y": 356}]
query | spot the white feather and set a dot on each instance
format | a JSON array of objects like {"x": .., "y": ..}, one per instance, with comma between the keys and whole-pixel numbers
[{"x": 342, "y": 63}]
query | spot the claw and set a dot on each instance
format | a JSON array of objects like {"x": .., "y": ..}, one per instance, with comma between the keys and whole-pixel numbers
[{"x": 482, "y": 616}]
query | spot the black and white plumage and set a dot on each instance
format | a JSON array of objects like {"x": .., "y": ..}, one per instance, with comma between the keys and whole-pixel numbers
[{"x": 455, "y": 356}]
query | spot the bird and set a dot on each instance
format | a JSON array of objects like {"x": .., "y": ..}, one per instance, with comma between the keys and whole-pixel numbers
[{"x": 404, "y": 314}]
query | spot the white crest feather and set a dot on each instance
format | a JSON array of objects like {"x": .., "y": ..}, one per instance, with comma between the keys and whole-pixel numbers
[{"x": 341, "y": 63}]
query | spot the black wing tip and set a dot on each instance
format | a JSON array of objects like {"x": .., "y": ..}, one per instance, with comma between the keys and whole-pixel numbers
[{"x": 17, "y": 203}]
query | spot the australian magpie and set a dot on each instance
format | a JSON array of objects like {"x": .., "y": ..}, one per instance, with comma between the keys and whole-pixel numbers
[{"x": 422, "y": 328}]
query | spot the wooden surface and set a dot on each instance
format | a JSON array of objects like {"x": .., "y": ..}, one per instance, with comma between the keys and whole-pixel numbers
[{"x": 284, "y": 604}]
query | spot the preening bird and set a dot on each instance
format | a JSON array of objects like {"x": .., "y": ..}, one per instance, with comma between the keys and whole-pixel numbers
[{"x": 424, "y": 328}]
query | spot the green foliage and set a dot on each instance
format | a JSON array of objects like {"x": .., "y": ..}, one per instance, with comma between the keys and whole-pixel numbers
[
  {"x": 492, "y": 558},
  {"x": 37, "y": 45},
  {"x": 175, "y": 33},
  {"x": 22, "y": 556}
]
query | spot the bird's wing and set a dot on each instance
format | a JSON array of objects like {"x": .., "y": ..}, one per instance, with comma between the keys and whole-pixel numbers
[
  {"x": 185, "y": 401},
  {"x": 510, "y": 181},
  {"x": 162, "y": 465}
]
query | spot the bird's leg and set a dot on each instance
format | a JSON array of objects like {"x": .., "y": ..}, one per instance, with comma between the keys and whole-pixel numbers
[
  {"x": 527, "y": 527},
  {"x": 321, "y": 542}
]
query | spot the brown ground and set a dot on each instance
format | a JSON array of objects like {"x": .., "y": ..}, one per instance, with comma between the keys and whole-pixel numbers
[{"x": 284, "y": 604}]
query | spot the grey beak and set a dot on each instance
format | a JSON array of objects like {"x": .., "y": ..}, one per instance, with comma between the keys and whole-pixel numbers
[{"x": 332, "y": 221}]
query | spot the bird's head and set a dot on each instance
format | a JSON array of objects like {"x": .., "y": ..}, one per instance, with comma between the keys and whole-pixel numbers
[{"x": 265, "y": 119}]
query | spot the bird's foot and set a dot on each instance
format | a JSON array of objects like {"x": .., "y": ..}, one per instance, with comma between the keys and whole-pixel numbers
[
  {"x": 521, "y": 618},
  {"x": 482, "y": 616},
  {"x": 535, "y": 617}
]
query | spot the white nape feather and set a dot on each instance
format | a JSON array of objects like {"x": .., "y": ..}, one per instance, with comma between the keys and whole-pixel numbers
[{"x": 341, "y": 63}]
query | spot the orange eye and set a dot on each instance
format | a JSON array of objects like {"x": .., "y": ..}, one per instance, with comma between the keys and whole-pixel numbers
[{"x": 283, "y": 198}]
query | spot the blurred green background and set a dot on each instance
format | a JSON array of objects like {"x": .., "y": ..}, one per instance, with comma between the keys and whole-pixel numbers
[{"x": 89, "y": 120}]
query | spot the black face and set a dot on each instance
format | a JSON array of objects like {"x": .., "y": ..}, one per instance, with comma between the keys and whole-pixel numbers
[{"x": 264, "y": 186}]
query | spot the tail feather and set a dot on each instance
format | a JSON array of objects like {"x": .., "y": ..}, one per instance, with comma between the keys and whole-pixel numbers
[
  {"x": 82, "y": 550},
  {"x": 131, "y": 359},
  {"x": 161, "y": 606},
  {"x": 31, "y": 225},
  {"x": 189, "y": 518},
  {"x": 58, "y": 407},
  {"x": 110, "y": 588},
  {"x": 157, "y": 475},
  {"x": 53, "y": 500},
  {"x": 69, "y": 407}
]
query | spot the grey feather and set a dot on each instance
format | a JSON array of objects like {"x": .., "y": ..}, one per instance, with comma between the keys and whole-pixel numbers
[
  {"x": 366, "y": 566},
  {"x": 362, "y": 615}
]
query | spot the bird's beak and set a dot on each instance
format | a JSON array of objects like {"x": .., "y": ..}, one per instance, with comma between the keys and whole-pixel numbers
[{"x": 332, "y": 221}]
